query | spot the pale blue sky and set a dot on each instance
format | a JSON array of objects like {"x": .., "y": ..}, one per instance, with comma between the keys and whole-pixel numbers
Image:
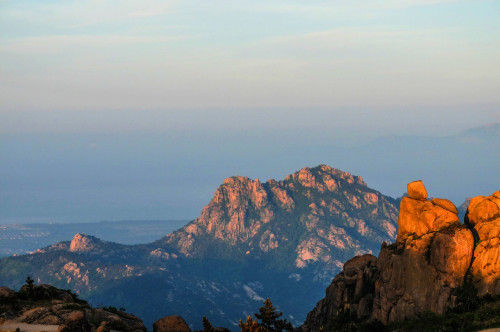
[
  {"x": 150, "y": 54},
  {"x": 119, "y": 109}
]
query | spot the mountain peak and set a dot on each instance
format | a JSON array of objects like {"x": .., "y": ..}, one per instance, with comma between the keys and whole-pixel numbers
[
  {"x": 83, "y": 243},
  {"x": 324, "y": 177},
  {"x": 334, "y": 209}
]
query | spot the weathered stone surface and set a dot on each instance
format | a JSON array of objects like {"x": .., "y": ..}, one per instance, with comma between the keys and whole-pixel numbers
[
  {"x": 419, "y": 217},
  {"x": 420, "y": 272},
  {"x": 483, "y": 215},
  {"x": 50, "y": 319},
  {"x": 34, "y": 314},
  {"x": 334, "y": 209},
  {"x": 416, "y": 190},
  {"x": 42, "y": 306},
  {"x": 103, "y": 327},
  {"x": 6, "y": 293},
  {"x": 64, "y": 328},
  {"x": 445, "y": 204},
  {"x": 82, "y": 243},
  {"x": 352, "y": 289},
  {"x": 171, "y": 324}
]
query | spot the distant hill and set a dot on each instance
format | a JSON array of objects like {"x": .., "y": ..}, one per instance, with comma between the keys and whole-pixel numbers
[
  {"x": 279, "y": 239},
  {"x": 24, "y": 238}
]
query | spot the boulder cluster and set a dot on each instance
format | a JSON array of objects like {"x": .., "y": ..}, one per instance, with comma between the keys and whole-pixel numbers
[
  {"x": 47, "y": 308},
  {"x": 433, "y": 256}
]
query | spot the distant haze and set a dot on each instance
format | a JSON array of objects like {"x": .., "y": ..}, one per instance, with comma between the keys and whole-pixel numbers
[
  {"x": 83, "y": 175},
  {"x": 113, "y": 110}
]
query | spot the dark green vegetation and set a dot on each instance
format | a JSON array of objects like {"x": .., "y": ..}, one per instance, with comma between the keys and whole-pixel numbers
[
  {"x": 471, "y": 314},
  {"x": 33, "y": 296},
  {"x": 268, "y": 320},
  {"x": 47, "y": 305},
  {"x": 291, "y": 238},
  {"x": 485, "y": 315}
]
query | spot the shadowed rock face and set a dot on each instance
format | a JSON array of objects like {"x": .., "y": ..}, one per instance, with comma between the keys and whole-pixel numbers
[
  {"x": 421, "y": 271},
  {"x": 429, "y": 261},
  {"x": 352, "y": 289},
  {"x": 483, "y": 215},
  {"x": 421, "y": 274}
]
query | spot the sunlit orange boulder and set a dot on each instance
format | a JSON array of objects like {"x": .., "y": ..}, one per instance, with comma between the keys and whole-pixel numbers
[
  {"x": 419, "y": 216},
  {"x": 416, "y": 190},
  {"x": 483, "y": 216}
]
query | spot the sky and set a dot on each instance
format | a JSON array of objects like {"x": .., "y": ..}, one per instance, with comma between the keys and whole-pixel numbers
[
  {"x": 119, "y": 109},
  {"x": 151, "y": 54}
]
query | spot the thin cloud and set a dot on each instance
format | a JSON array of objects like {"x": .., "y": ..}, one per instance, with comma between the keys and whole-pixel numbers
[{"x": 55, "y": 44}]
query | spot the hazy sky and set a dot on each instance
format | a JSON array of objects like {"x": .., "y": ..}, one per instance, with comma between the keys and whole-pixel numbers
[
  {"x": 151, "y": 54},
  {"x": 119, "y": 109}
]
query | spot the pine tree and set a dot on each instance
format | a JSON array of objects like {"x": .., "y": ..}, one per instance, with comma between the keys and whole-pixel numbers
[
  {"x": 207, "y": 327},
  {"x": 251, "y": 325},
  {"x": 268, "y": 316},
  {"x": 31, "y": 289}
]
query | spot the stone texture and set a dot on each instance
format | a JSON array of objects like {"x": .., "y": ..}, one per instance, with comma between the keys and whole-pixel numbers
[
  {"x": 421, "y": 274},
  {"x": 171, "y": 324},
  {"x": 6, "y": 293},
  {"x": 445, "y": 204},
  {"x": 339, "y": 215},
  {"x": 418, "y": 217},
  {"x": 82, "y": 243},
  {"x": 352, "y": 289},
  {"x": 423, "y": 268},
  {"x": 483, "y": 215},
  {"x": 47, "y": 309},
  {"x": 416, "y": 190}
]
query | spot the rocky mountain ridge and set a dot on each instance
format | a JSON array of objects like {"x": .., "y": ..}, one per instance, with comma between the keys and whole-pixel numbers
[
  {"x": 434, "y": 256},
  {"x": 314, "y": 215},
  {"x": 279, "y": 239}
]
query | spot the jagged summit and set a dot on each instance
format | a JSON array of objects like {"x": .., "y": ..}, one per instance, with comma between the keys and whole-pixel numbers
[
  {"x": 336, "y": 211},
  {"x": 323, "y": 175},
  {"x": 251, "y": 236},
  {"x": 83, "y": 243}
]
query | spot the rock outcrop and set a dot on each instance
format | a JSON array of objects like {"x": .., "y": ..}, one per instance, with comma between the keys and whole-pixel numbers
[
  {"x": 45, "y": 307},
  {"x": 432, "y": 254},
  {"x": 351, "y": 290},
  {"x": 483, "y": 216},
  {"x": 419, "y": 216},
  {"x": 83, "y": 242},
  {"x": 332, "y": 210},
  {"x": 171, "y": 324},
  {"x": 431, "y": 259}
]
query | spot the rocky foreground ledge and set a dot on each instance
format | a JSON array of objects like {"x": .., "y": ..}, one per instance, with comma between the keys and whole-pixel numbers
[
  {"x": 46, "y": 308},
  {"x": 434, "y": 259}
]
